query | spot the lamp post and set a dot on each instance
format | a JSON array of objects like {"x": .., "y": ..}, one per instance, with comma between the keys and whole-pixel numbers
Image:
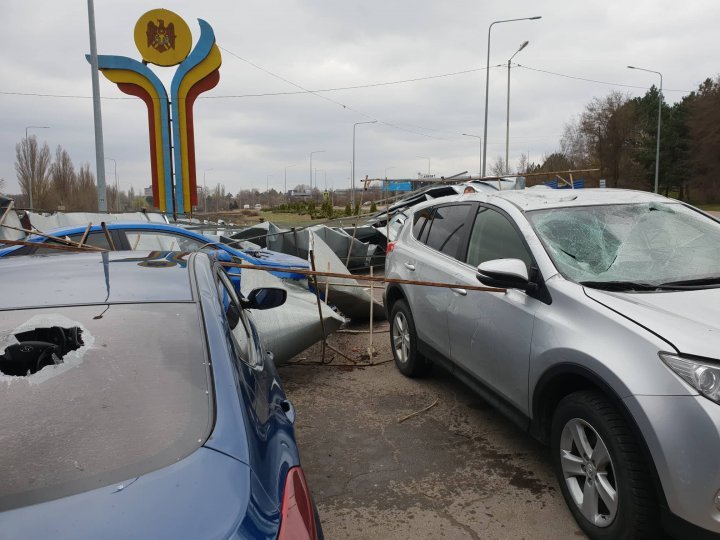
[
  {"x": 487, "y": 85},
  {"x": 423, "y": 157},
  {"x": 311, "y": 167},
  {"x": 205, "y": 190},
  {"x": 657, "y": 146},
  {"x": 286, "y": 168},
  {"x": 480, "y": 156},
  {"x": 267, "y": 183},
  {"x": 352, "y": 180},
  {"x": 30, "y": 187},
  {"x": 507, "y": 125},
  {"x": 117, "y": 189},
  {"x": 97, "y": 112}
]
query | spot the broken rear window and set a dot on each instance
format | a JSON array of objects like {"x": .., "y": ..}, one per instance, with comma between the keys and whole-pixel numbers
[{"x": 98, "y": 395}]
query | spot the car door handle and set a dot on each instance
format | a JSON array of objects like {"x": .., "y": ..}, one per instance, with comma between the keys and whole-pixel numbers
[
  {"x": 461, "y": 292},
  {"x": 410, "y": 266}
]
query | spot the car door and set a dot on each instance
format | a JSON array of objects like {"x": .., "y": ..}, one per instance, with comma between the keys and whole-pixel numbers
[
  {"x": 270, "y": 414},
  {"x": 141, "y": 239},
  {"x": 440, "y": 241},
  {"x": 490, "y": 332}
]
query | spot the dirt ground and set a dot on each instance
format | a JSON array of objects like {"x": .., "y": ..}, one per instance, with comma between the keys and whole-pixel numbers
[{"x": 457, "y": 470}]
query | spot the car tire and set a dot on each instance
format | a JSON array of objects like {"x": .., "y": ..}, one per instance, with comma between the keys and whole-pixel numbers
[
  {"x": 597, "y": 461},
  {"x": 404, "y": 343}
]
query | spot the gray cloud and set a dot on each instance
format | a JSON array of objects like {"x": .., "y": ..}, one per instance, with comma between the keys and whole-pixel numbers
[{"x": 323, "y": 44}]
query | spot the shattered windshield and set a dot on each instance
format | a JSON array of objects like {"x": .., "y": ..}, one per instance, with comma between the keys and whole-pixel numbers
[{"x": 651, "y": 243}]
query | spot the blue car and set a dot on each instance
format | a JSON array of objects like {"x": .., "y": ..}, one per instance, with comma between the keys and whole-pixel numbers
[
  {"x": 155, "y": 237},
  {"x": 136, "y": 401}
]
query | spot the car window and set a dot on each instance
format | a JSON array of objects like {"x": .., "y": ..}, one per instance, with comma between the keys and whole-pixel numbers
[
  {"x": 494, "y": 237},
  {"x": 126, "y": 392},
  {"x": 395, "y": 225},
  {"x": 420, "y": 218},
  {"x": 448, "y": 229},
  {"x": 242, "y": 335},
  {"x": 163, "y": 241},
  {"x": 97, "y": 239}
]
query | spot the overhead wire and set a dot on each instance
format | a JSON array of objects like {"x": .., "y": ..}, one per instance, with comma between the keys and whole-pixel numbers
[
  {"x": 597, "y": 81},
  {"x": 316, "y": 93}
]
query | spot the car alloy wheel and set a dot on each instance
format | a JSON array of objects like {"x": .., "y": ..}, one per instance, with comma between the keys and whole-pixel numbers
[
  {"x": 404, "y": 342},
  {"x": 401, "y": 338},
  {"x": 603, "y": 474},
  {"x": 589, "y": 472}
]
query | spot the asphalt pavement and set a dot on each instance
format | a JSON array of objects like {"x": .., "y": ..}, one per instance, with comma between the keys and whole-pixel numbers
[{"x": 456, "y": 470}]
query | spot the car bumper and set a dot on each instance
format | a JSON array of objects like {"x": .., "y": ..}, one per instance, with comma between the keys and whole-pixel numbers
[{"x": 683, "y": 436}]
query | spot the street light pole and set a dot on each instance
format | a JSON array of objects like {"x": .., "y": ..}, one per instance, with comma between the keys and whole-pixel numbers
[
  {"x": 267, "y": 183},
  {"x": 97, "y": 112},
  {"x": 286, "y": 168},
  {"x": 352, "y": 180},
  {"x": 480, "y": 156},
  {"x": 487, "y": 85},
  {"x": 32, "y": 174},
  {"x": 657, "y": 146},
  {"x": 311, "y": 168},
  {"x": 205, "y": 190},
  {"x": 117, "y": 190},
  {"x": 507, "y": 126}
]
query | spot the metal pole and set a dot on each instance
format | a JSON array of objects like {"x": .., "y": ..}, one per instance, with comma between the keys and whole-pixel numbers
[
  {"x": 117, "y": 191},
  {"x": 487, "y": 85},
  {"x": 657, "y": 147},
  {"x": 352, "y": 181},
  {"x": 286, "y": 168},
  {"x": 205, "y": 189},
  {"x": 352, "y": 177},
  {"x": 99, "y": 149},
  {"x": 657, "y": 144},
  {"x": 311, "y": 168},
  {"x": 507, "y": 127}
]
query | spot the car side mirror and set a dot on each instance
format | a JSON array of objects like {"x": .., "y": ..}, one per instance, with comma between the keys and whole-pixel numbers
[
  {"x": 504, "y": 273},
  {"x": 265, "y": 298},
  {"x": 233, "y": 315}
]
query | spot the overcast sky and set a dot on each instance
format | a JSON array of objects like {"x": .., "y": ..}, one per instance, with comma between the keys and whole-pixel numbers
[{"x": 328, "y": 44}]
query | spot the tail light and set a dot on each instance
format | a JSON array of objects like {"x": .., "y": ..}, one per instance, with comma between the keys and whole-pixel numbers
[
  {"x": 390, "y": 247},
  {"x": 297, "y": 515}
]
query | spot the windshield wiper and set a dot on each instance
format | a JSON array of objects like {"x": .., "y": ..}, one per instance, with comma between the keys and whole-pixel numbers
[
  {"x": 693, "y": 284},
  {"x": 622, "y": 285}
]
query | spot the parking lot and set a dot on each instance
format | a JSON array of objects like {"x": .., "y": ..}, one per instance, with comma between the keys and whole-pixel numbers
[{"x": 457, "y": 470}]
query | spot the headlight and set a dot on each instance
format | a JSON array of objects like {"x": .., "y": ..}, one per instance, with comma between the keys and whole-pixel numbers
[{"x": 702, "y": 375}]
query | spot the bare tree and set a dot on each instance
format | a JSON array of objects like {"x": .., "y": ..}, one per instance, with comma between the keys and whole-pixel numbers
[
  {"x": 524, "y": 165},
  {"x": 85, "y": 196},
  {"x": 608, "y": 123},
  {"x": 575, "y": 144},
  {"x": 63, "y": 179},
  {"x": 2, "y": 184},
  {"x": 32, "y": 165},
  {"x": 498, "y": 167}
]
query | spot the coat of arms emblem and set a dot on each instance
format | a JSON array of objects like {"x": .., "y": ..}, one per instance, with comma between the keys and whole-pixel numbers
[{"x": 161, "y": 37}]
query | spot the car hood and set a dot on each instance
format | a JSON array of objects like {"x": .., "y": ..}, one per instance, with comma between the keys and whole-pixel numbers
[{"x": 689, "y": 320}]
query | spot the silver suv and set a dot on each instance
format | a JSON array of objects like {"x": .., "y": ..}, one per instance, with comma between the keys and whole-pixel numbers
[{"x": 604, "y": 345}]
